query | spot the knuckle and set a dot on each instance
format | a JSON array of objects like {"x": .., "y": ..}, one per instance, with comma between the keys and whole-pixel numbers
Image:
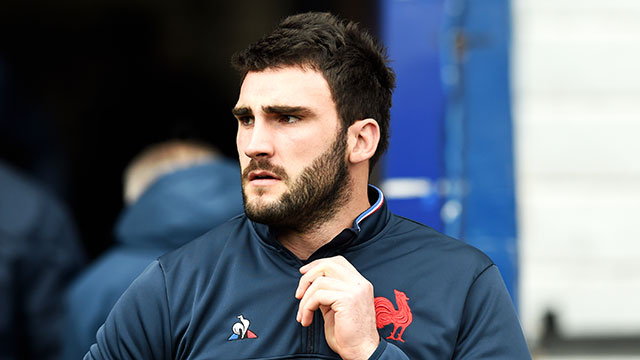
[
  {"x": 368, "y": 285},
  {"x": 365, "y": 287},
  {"x": 321, "y": 281}
]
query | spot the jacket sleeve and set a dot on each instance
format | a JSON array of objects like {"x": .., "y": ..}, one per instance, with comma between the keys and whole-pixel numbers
[
  {"x": 139, "y": 325},
  {"x": 388, "y": 351},
  {"x": 489, "y": 327}
]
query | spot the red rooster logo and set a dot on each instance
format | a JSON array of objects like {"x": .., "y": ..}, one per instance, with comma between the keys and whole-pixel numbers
[{"x": 387, "y": 314}]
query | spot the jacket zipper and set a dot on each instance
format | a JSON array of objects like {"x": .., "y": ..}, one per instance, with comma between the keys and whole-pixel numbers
[{"x": 310, "y": 336}]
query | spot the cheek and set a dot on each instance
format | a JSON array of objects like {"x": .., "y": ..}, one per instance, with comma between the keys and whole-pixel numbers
[
  {"x": 304, "y": 155},
  {"x": 238, "y": 140},
  {"x": 241, "y": 143},
  {"x": 243, "y": 160}
]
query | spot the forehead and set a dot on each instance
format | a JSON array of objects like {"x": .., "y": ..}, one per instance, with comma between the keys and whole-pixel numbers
[{"x": 291, "y": 86}]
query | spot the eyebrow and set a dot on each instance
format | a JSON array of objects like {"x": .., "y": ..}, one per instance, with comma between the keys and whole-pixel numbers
[
  {"x": 274, "y": 109},
  {"x": 241, "y": 111},
  {"x": 287, "y": 110}
]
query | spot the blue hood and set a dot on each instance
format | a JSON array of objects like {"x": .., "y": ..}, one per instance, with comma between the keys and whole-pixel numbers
[{"x": 182, "y": 205}]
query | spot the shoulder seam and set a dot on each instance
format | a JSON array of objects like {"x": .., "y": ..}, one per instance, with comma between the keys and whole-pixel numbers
[
  {"x": 466, "y": 299},
  {"x": 475, "y": 279},
  {"x": 166, "y": 295},
  {"x": 413, "y": 221},
  {"x": 481, "y": 272}
]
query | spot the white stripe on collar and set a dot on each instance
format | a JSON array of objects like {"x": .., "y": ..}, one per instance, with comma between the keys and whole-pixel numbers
[{"x": 372, "y": 209}]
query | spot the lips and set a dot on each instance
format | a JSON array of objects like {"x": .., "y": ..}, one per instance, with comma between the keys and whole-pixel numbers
[
  {"x": 260, "y": 172},
  {"x": 262, "y": 175}
]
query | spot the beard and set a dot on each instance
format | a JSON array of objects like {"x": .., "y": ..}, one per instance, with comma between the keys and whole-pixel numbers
[{"x": 312, "y": 199}]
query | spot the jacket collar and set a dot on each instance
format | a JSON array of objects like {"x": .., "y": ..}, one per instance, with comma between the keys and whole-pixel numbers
[{"x": 365, "y": 226}]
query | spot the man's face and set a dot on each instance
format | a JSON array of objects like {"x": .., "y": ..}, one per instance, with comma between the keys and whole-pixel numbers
[{"x": 291, "y": 147}]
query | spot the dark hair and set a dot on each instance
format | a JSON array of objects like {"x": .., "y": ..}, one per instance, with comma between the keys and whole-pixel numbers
[{"x": 351, "y": 60}]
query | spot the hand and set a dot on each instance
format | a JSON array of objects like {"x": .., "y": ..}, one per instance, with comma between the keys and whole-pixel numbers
[{"x": 345, "y": 298}]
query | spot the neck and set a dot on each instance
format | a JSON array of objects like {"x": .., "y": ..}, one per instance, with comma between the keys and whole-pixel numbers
[{"x": 304, "y": 243}]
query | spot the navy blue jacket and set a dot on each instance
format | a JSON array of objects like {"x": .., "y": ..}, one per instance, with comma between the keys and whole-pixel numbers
[
  {"x": 230, "y": 295},
  {"x": 176, "y": 208},
  {"x": 40, "y": 252}
]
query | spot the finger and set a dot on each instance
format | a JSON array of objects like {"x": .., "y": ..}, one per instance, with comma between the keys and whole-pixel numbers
[
  {"x": 320, "y": 297},
  {"x": 323, "y": 283},
  {"x": 307, "y": 279},
  {"x": 338, "y": 259},
  {"x": 360, "y": 288},
  {"x": 310, "y": 265},
  {"x": 336, "y": 267}
]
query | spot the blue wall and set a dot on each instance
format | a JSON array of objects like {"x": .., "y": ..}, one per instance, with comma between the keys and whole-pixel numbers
[
  {"x": 415, "y": 155},
  {"x": 451, "y": 147}
]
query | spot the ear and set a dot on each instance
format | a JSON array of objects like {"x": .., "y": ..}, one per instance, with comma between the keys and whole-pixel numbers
[{"x": 363, "y": 137}]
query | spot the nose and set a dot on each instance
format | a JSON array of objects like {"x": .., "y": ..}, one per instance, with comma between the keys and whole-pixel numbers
[{"x": 258, "y": 140}]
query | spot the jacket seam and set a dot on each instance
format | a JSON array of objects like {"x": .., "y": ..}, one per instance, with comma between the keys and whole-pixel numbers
[
  {"x": 370, "y": 241},
  {"x": 166, "y": 295},
  {"x": 479, "y": 275},
  {"x": 466, "y": 300}
]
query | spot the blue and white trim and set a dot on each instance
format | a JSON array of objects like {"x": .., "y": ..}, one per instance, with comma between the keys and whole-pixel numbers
[{"x": 370, "y": 210}]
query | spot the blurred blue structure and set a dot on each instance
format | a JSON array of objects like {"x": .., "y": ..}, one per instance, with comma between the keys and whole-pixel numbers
[
  {"x": 450, "y": 161},
  {"x": 414, "y": 163}
]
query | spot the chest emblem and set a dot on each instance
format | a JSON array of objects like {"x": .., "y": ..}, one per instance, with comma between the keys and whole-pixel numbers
[
  {"x": 241, "y": 330},
  {"x": 387, "y": 314}
]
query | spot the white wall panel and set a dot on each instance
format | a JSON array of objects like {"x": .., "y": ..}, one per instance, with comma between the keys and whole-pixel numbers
[{"x": 576, "y": 92}]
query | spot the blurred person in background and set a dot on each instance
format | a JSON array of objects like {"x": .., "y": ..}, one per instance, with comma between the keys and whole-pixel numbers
[
  {"x": 39, "y": 254},
  {"x": 174, "y": 191}
]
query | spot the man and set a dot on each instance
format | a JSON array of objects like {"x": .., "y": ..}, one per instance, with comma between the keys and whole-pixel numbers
[
  {"x": 313, "y": 116},
  {"x": 175, "y": 191}
]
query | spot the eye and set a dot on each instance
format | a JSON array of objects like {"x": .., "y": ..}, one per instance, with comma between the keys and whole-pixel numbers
[
  {"x": 245, "y": 120},
  {"x": 289, "y": 119}
]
